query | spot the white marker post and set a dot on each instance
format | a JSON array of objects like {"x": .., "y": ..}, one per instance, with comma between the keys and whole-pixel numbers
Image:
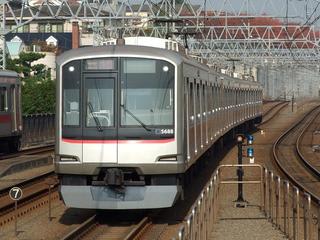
[
  {"x": 51, "y": 182},
  {"x": 15, "y": 194}
]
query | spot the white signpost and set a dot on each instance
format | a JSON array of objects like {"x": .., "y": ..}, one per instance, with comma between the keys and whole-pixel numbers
[{"x": 15, "y": 194}]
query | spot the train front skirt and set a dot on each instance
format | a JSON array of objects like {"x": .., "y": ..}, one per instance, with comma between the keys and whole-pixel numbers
[{"x": 130, "y": 197}]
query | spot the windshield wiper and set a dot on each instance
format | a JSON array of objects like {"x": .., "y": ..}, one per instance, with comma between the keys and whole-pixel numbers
[
  {"x": 98, "y": 124},
  {"x": 135, "y": 118}
]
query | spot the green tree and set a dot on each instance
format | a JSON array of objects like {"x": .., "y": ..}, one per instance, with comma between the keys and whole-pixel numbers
[
  {"x": 38, "y": 90},
  {"x": 38, "y": 96},
  {"x": 23, "y": 64}
]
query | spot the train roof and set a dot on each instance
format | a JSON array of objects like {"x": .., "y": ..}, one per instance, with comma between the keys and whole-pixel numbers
[
  {"x": 134, "y": 50},
  {"x": 119, "y": 50},
  {"x": 8, "y": 73}
]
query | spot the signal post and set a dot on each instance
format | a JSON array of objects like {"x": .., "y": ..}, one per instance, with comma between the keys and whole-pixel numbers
[{"x": 241, "y": 202}]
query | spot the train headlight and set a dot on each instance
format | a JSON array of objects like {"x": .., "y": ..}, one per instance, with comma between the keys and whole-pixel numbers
[
  {"x": 165, "y": 68},
  {"x": 168, "y": 159},
  {"x": 66, "y": 158},
  {"x": 71, "y": 68}
]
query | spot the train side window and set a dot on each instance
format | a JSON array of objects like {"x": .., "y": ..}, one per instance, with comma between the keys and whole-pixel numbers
[
  {"x": 204, "y": 99},
  {"x": 3, "y": 99},
  {"x": 238, "y": 91},
  {"x": 212, "y": 98},
  {"x": 235, "y": 97},
  {"x": 215, "y": 98},
  {"x": 191, "y": 99},
  {"x": 210, "y": 106},
  {"x": 245, "y": 98},
  {"x": 219, "y": 95},
  {"x": 198, "y": 100},
  {"x": 222, "y": 99},
  {"x": 226, "y": 97},
  {"x": 232, "y": 96}
]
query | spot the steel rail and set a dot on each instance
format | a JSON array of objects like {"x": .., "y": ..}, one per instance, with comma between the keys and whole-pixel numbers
[
  {"x": 280, "y": 165},
  {"x": 298, "y": 150},
  {"x": 27, "y": 182},
  {"x": 28, "y": 198},
  {"x": 280, "y": 106},
  {"x": 30, "y": 151},
  {"x": 91, "y": 223}
]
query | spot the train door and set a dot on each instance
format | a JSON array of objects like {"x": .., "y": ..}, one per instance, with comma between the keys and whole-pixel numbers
[
  {"x": 13, "y": 97},
  {"x": 234, "y": 108},
  {"x": 224, "y": 122},
  {"x": 214, "y": 110},
  {"x": 190, "y": 119},
  {"x": 193, "y": 120},
  {"x": 205, "y": 113},
  {"x": 99, "y": 122},
  {"x": 210, "y": 107},
  {"x": 5, "y": 117},
  {"x": 202, "y": 123},
  {"x": 219, "y": 107},
  {"x": 198, "y": 118}
]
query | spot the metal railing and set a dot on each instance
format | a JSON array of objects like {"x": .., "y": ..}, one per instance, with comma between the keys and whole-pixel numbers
[
  {"x": 199, "y": 222},
  {"x": 290, "y": 210},
  {"x": 38, "y": 129},
  {"x": 204, "y": 212}
]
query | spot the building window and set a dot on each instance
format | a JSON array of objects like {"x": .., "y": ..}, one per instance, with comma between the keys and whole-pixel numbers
[
  {"x": 87, "y": 27},
  {"x": 50, "y": 27},
  {"x": 22, "y": 29}
]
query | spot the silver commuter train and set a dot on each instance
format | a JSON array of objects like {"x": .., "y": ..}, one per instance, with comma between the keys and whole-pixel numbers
[
  {"x": 10, "y": 110},
  {"x": 131, "y": 121}
]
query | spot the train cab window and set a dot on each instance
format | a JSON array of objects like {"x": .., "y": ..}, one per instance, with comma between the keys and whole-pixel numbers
[
  {"x": 3, "y": 99},
  {"x": 71, "y": 94},
  {"x": 147, "y": 92},
  {"x": 99, "y": 101}
]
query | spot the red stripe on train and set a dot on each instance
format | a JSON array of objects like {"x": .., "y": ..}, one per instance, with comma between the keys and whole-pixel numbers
[
  {"x": 117, "y": 141},
  {"x": 5, "y": 118}
]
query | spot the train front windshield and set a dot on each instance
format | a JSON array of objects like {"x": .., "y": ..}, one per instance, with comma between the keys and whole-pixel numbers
[
  {"x": 146, "y": 93},
  {"x": 122, "y": 97}
]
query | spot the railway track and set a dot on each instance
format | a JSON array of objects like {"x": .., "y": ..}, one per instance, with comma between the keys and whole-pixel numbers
[
  {"x": 31, "y": 151},
  {"x": 93, "y": 229},
  {"x": 34, "y": 184},
  {"x": 304, "y": 147},
  {"x": 288, "y": 157},
  {"x": 35, "y": 194},
  {"x": 274, "y": 110}
]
